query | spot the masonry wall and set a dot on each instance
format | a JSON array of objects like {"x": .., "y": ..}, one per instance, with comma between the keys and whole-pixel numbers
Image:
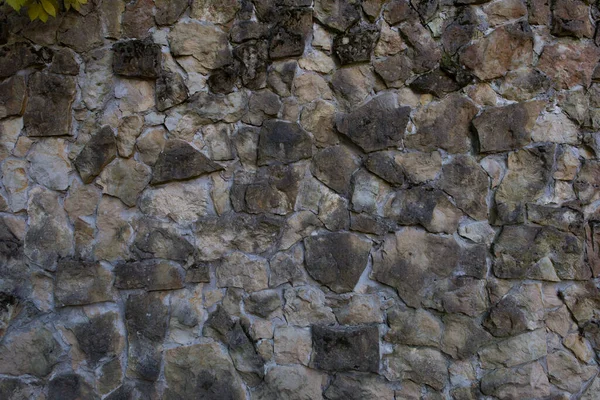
[{"x": 288, "y": 200}]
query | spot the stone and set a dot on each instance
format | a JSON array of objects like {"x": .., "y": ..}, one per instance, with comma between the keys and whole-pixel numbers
[
  {"x": 287, "y": 267},
  {"x": 436, "y": 82},
  {"x": 398, "y": 11},
  {"x": 22, "y": 55},
  {"x": 69, "y": 386},
  {"x": 253, "y": 56},
  {"x": 334, "y": 167},
  {"x": 539, "y": 12},
  {"x": 281, "y": 75},
  {"x": 99, "y": 337},
  {"x": 146, "y": 320},
  {"x": 206, "y": 108},
  {"x": 283, "y": 142},
  {"x": 48, "y": 235},
  {"x": 168, "y": 12},
  {"x": 178, "y": 161},
  {"x": 419, "y": 167},
  {"x": 170, "y": 90},
  {"x": 478, "y": 232},
  {"x": 318, "y": 118},
  {"x": 462, "y": 336},
  {"x": 81, "y": 282},
  {"x": 414, "y": 275},
  {"x": 586, "y": 182},
  {"x": 32, "y": 350},
  {"x": 224, "y": 79},
  {"x": 571, "y": 18},
  {"x": 291, "y": 30},
  {"x": 317, "y": 61},
  {"x": 389, "y": 42},
  {"x": 413, "y": 327},
  {"x": 98, "y": 152},
  {"x": 292, "y": 345},
  {"x": 506, "y": 127},
  {"x": 136, "y": 58},
  {"x": 516, "y": 350},
  {"x": 48, "y": 109},
  {"x": 130, "y": 128},
  {"x": 156, "y": 239},
  {"x": 465, "y": 295},
  {"x": 262, "y": 106},
  {"x": 569, "y": 63},
  {"x": 337, "y": 14},
  {"x": 360, "y": 309},
  {"x": 511, "y": 195},
  {"x": 217, "y": 13},
  {"x": 305, "y": 306},
  {"x": 467, "y": 183},
  {"x": 504, "y": 11},
  {"x": 377, "y": 125},
  {"x": 293, "y": 382},
  {"x": 49, "y": 165},
  {"x": 444, "y": 124},
  {"x": 99, "y": 80},
  {"x": 125, "y": 179},
  {"x": 565, "y": 371},
  {"x": 207, "y": 44},
  {"x": 309, "y": 87},
  {"x": 424, "y": 52},
  {"x": 528, "y": 380},
  {"x": 242, "y": 271},
  {"x": 352, "y": 85},
  {"x": 485, "y": 59},
  {"x": 394, "y": 70},
  {"x": 149, "y": 275},
  {"x": 384, "y": 165},
  {"x": 555, "y": 128},
  {"x": 357, "y": 386},
  {"x": 12, "y": 96},
  {"x": 113, "y": 230},
  {"x": 421, "y": 365},
  {"x": 346, "y": 348},
  {"x": 16, "y": 389},
  {"x": 137, "y": 19},
  {"x": 523, "y": 84},
  {"x": 69, "y": 32},
  {"x": 10, "y": 129},
  {"x": 356, "y": 44},
  {"x": 338, "y": 269},
  {"x": 244, "y": 356}
]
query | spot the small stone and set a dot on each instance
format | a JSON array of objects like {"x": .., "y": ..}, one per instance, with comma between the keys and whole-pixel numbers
[
  {"x": 394, "y": 70},
  {"x": 18, "y": 56},
  {"x": 353, "y": 84},
  {"x": 507, "y": 127},
  {"x": 292, "y": 345},
  {"x": 389, "y": 42},
  {"x": 318, "y": 118},
  {"x": 486, "y": 62},
  {"x": 293, "y": 382},
  {"x": 467, "y": 183},
  {"x": 463, "y": 336},
  {"x": 262, "y": 303},
  {"x": 168, "y": 11},
  {"x": 134, "y": 95},
  {"x": 291, "y": 30},
  {"x": 242, "y": 271},
  {"x": 49, "y": 165},
  {"x": 478, "y": 232},
  {"x": 48, "y": 109},
  {"x": 125, "y": 179},
  {"x": 253, "y": 56},
  {"x": 377, "y": 125},
  {"x": 334, "y": 167},
  {"x": 73, "y": 24},
  {"x": 207, "y": 44},
  {"x": 99, "y": 337},
  {"x": 79, "y": 283},
  {"x": 528, "y": 380},
  {"x": 310, "y": 87},
  {"x": 571, "y": 18},
  {"x": 12, "y": 96},
  {"x": 419, "y": 167},
  {"x": 217, "y": 13},
  {"x": 113, "y": 230},
  {"x": 305, "y": 306},
  {"x": 413, "y": 328},
  {"x": 519, "y": 349},
  {"x": 137, "y": 58},
  {"x": 263, "y": 105},
  {"x": 556, "y": 128},
  {"x": 281, "y": 75},
  {"x": 170, "y": 90},
  {"x": 339, "y": 270},
  {"x": 587, "y": 182},
  {"x": 569, "y": 63},
  {"x": 69, "y": 386},
  {"x": 425, "y": 53},
  {"x": 357, "y": 44},
  {"x": 317, "y": 61},
  {"x": 97, "y": 154},
  {"x": 337, "y": 14},
  {"x": 283, "y": 142},
  {"x": 523, "y": 84},
  {"x": 444, "y": 124},
  {"x": 504, "y": 11},
  {"x": 436, "y": 82},
  {"x": 247, "y": 30},
  {"x": 157, "y": 239},
  {"x": 346, "y": 348},
  {"x": 398, "y": 11},
  {"x": 384, "y": 165},
  {"x": 287, "y": 267},
  {"x": 137, "y": 19},
  {"x": 179, "y": 161},
  {"x": 150, "y": 144},
  {"x": 149, "y": 275},
  {"x": 465, "y": 295},
  {"x": 565, "y": 371},
  {"x": 421, "y": 365},
  {"x": 130, "y": 127}
]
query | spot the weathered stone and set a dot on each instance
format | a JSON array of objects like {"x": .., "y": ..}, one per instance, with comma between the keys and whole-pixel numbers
[
  {"x": 413, "y": 328},
  {"x": 523, "y": 84},
  {"x": 318, "y": 119},
  {"x": 292, "y": 345},
  {"x": 114, "y": 230},
  {"x": 217, "y": 13},
  {"x": 253, "y": 56},
  {"x": 130, "y": 127},
  {"x": 384, "y": 165},
  {"x": 422, "y": 365},
  {"x": 487, "y": 61},
  {"x": 565, "y": 371},
  {"x": 282, "y": 142},
  {"x": 262, "y": 106},
  {"x": 317, "y": 61},
  {"x": 288, "y": 36},
  {"x": 571, "y": 18},
  {"x": 170, "y": 90},
  {"x": 16, "y": 389},
  {"x": 183, "y": 202},
  {"x": 146, "y": 320},
  {"x": 519, "y": 349},
  {"x": 504, "y": 11},
  {"x": 168, "y": 12},
  {"x": 305, "y": 306},
  {"x": 281, "y": 75},
  {"x": 357, "y": 44},
  {"x": 262, "y": 303},
  {"x": 287, "y": 267},
  {"x": 149, "y": 275},
  {"x": 48, "y": 109},
  {"x": 224, "y": 79},
  {"x": 528, "y": 380},
  {"x": 49, "y": 165},
  {"x": 581, "y": 300},
  {"x": 99, "y": 337},
  {"x": 436, "y": 82},
  {"x": 244, "y": 356},
  {"x": 12, "y": 96},
  {"x": 459, "y": 31},
  {"x": 346, "y": 348},
  {"x": 206, "y": 43},
  {"x": 178, "y": 161},
  {"x": 354, "y": 386},
  {"x": 508, "y": 127},
  {"x": 587, "y": 182},
  {"x": 424, "y": 52},
  {"x": 334, "y": 167},
  {"x": 377, "y": 125},
  {"x": 97, "y": 154},
  {"x": 48, "y": 234},
  {"x": 125, "y": 179},
  {"x": 32, "y": 350},
  {"x": 155, "y": 239},
  {"x": 465, "y": 295},
  {"x": 444, "y": 124},
  {"x": 137, "y": 19},
  {"x": 18, "y": 56},
  {"x": 137, "y": 58},
  {"x": 467, "y": 183},
  {"x": 462, "y": 336},
  {"x": 337, "y": 14},
  {"x": 73, "y": 24},
  {"x": 242, "y": 271},
  {"x": 134, "y": 95},
  {"x": 569, "y": 63},
  {"x": 337, "y": 260},
  {"x": 394, "y": 70},
  {"x": 80, "y": 282},
  {"x": 517, "y": 312},
  {"x": 293, "y": 382},
  {"x": 69, "y": 386},
  {"x": 419, "y": 167},
  {"x": 309, "y": 87}
]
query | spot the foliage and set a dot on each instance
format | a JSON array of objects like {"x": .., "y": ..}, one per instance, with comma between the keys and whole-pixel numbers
[{"x": 42, "y": 9}]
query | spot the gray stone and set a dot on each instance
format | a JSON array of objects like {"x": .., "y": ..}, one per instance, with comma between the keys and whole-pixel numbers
[
  {"x": 356, "y": 44},
  {"x": 334, "y": 167},
  {"x": 100, "y": 337},
  {"x": 48, "y": 109},
  {"x": 170, "y": 90},
  {"x": 528, "y": 380},
  {"x": 337, "y": 14},
  {"x": 346, "y": 348},
  {"x": 571, "y": 18},
  {"x": 70, "y": 386},
  {"x": 125, "y": 179},
  {"x": 207, "y": 44},
  {"x": 253, "y": 57},
  {"x": 422, "y": 365},
  {"x": 178, "y": 161},
  {"x": 12, "y": 96},
  {"x": 356, "y": 386},
  {"x": 288, "y": 36},
  {"x": 293, "y": 382},
  {"x": 149, "y": 275},
  {"x": 246, "y": 360},
  {"x": 413, "y": 327},
  {"x": 97, "y": 154},
  {"x": 137, "y": 58},
  {"x": 384, "y": 165},
  {"x": 337, "y": 260},
  {"x": 169, "y": 11},
  {"x": 467, "y": 183},
  {"x": 377, "y": 125},
  {"x": 81, "y": 282},
  {"x": 20, "y": 55},
  {"x": 283, "y": 142},
  {"x": 159, "y": 240},
  {"x": 262, "y": 303}
]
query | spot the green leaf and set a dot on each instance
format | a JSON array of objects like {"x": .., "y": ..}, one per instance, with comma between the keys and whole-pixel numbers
[
  {"x": 34, "y": 11},
  {"x": 49, "y": 8}
]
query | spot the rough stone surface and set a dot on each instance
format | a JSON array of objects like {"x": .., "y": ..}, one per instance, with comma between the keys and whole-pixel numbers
[{"x": 300, "y": 200}]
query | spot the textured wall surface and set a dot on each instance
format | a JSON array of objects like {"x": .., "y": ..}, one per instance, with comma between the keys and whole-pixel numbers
[{"x": 301, "y": 200}]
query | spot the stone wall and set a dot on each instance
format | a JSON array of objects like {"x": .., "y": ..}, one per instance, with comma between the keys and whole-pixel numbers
[{"x": 298, "y": 200}]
